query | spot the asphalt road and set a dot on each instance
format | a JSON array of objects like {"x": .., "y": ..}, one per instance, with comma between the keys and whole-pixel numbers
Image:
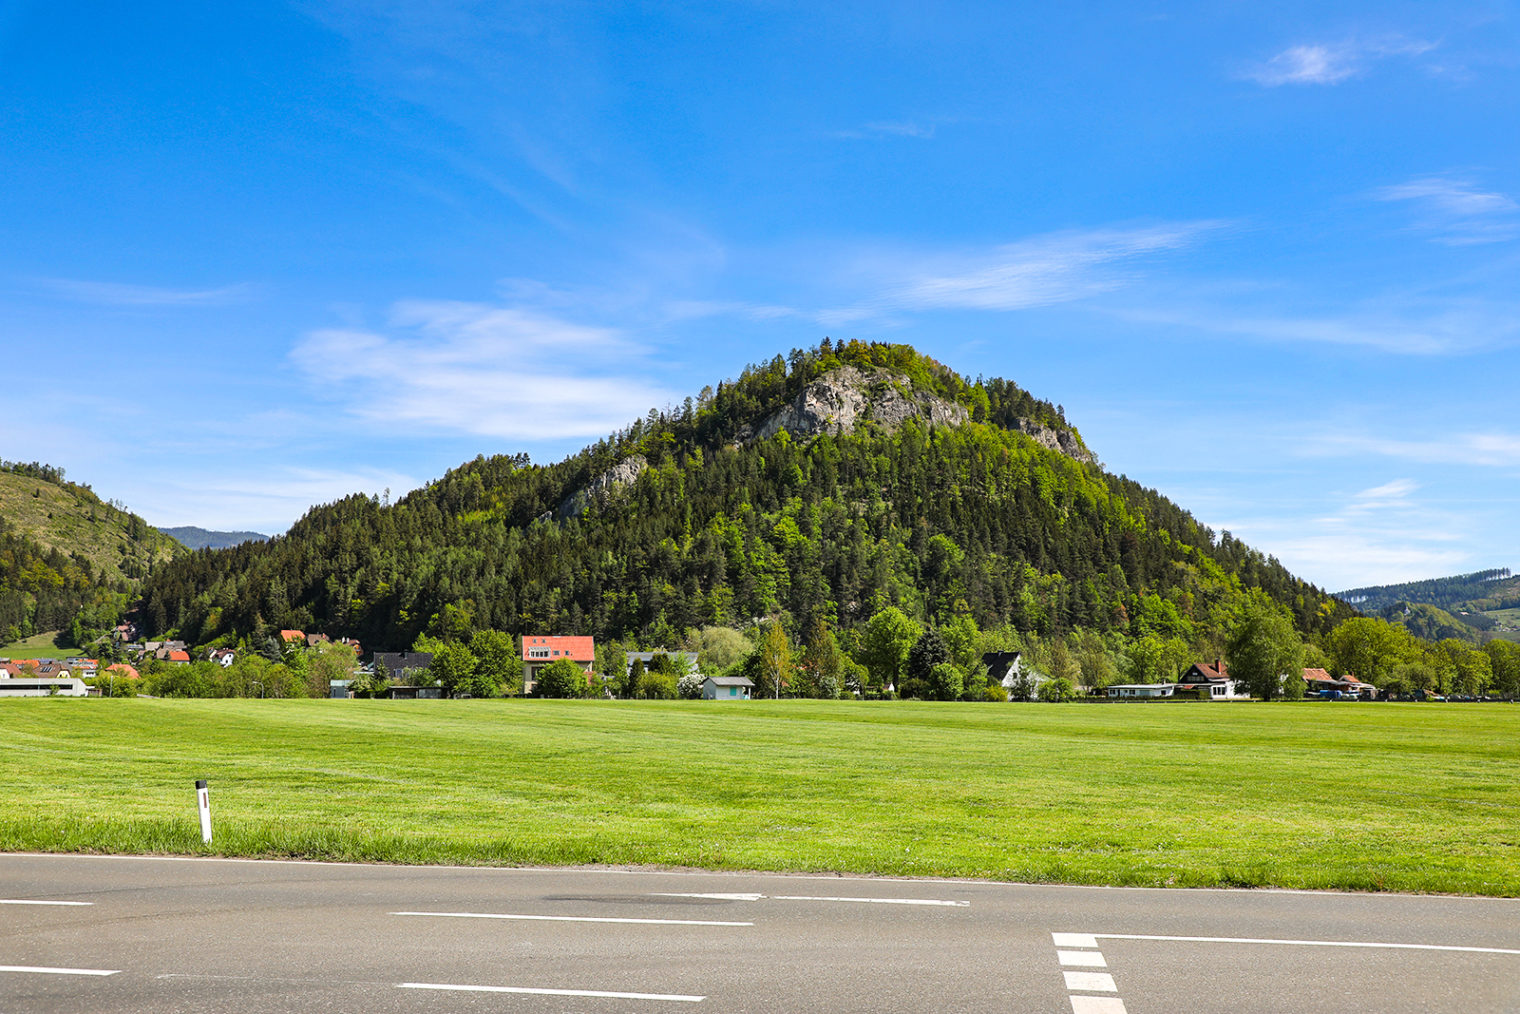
[{"x": 229, "y": 936}]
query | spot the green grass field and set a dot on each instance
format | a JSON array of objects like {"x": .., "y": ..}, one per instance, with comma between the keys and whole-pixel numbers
[
  {"x": 38, "y": 646},
  {"x": 1411, "y": 797}
]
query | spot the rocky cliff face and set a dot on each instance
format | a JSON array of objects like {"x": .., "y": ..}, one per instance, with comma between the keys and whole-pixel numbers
[
  {"x": 616, "y": 477},
  {"x": 1064, "y": 441},
  {"x": 836, "y": 403}
]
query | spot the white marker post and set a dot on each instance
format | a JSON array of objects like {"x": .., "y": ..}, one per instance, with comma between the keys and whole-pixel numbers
[{"x": 203, "y": 798}]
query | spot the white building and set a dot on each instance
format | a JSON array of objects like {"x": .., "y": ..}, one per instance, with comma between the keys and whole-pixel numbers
[
  {"x": 1141, "y": 690},
  {"x": 45, "y": 686}
]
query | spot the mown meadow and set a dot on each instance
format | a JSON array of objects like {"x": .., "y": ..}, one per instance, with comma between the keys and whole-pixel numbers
[{"x": 1408, "y": 797}]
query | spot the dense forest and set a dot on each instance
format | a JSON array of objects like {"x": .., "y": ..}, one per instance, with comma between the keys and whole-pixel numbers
[{"x": 722, "y": 529}]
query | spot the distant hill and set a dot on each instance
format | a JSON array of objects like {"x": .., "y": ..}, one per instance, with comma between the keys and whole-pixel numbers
[
  {"x": 1444, "y": 592},
  {"x": 68, "y": 560},
  {"x": 201, "y": 538},
  {"x": 37, "y": 502},
  {"x": 1472, "y": 607}
]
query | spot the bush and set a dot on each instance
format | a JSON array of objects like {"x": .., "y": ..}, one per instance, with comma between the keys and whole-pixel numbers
[
  {"x": 1057, "y": 690},
  {"x": 656, "y": 686},
  {"x": 562, "y": 678},
  {"x": 994, "y": 692},
  {"x": 689, "y": 687}
]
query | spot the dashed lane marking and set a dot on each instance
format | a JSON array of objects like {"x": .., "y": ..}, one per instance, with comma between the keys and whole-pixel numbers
[
  {"x": 1081, "y": 984},
  {"x": 1305, "y": 943},
  {"x": 1074, "y": 940},
  {"x": 674, "y": 997},
  {"x": 574, "y": 918},
  {"x": 809, "y": 897},
  {"x": 1097, "y": 1005},
  {"x": 40, "y": 970},
  {"x": 1091, "y": 982}
]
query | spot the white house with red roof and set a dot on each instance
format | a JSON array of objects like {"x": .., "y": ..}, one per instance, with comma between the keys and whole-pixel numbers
[
  {"x": 1210, "y": 683},
  {"x": 539, "y": 651}
]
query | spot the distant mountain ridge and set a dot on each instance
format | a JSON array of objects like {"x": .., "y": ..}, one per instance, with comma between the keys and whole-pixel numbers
[
  {"x": 1469, "y": 607},
  {"x": 201, "y": 538},
  {"x": 1437, "y": 591}
]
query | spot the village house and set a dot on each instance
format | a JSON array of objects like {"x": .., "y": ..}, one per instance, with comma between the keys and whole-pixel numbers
[
  {"x": 727, "y": 688},
  {"x": 1140, "y": 691},
  {"x": 397, "y": 665},
  {"x": 1007, "y": 669},
  {"x": 687, "y": 660},
  {"x": 223, "y": 657},
  {"x": 1210, "y": 683},
  {"x": 539, "y": 651},
  {"x": 1319, "y": 683}
]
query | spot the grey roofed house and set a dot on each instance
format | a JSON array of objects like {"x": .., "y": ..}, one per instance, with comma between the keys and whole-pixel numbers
[
  {"x": 398, "y": 663},
  {"x": 648, "y": 656},
  {"x": 727, "y": 688}
]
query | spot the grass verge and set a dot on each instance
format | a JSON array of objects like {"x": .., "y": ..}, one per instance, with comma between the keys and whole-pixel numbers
[{"x": 1413, "y": 797}]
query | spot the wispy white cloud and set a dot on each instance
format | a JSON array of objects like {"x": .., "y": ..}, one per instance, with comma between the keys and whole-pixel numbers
[
  {"x": 1041, "y": 271},
  {"x": 119, "y": 294},
  {"x": 1328, "y": 63},
  {"x": 1486, "y": 450},
  {"x": 1403, "y": 327},
  {"x": 1457, "y": 209},
  {"x": 887, "y": 128},
  {"x": 493, "y": 370},
  {"x": 1381, "y": 535}
]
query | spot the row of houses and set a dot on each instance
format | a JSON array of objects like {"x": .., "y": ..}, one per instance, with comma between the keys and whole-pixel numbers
[
  {"x": 1213, "y": 683},
  {"x": 539, "y": 651}
]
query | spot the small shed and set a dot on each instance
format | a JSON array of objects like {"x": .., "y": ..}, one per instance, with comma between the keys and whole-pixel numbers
[{"x": 727, "y": 688}]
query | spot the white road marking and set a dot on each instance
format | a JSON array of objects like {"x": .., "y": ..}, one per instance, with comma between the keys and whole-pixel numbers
[
  {"x": 574, "y": 918},
  {"x": 1082, "y": 959},
  {"x": 21, "y": 901},
  {"x": 809, "y": 897},
  {"x": 1309, "y": 943},
  {"x": 58, "y": 971},
  {"x": 676, "y": 997},
  {"x": 1092, "y": 982},
  {"x": 1097, "y": 1005},
  {"x": 1083, "y": 940},
  {"x": 878, "y": 901}
]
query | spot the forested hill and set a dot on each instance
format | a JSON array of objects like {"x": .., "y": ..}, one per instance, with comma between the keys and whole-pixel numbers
[
  {"x": 823, "y": 486},
  {"x": 1468, "y": 607},
  {"x": 1486, "y": 587},
  {"x": 65, "y": 555}
]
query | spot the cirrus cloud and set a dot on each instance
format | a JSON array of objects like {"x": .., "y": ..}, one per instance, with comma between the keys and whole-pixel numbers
[{"x": 490, "y": 370}]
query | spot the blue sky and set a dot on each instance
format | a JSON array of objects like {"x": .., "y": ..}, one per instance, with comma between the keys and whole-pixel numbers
[{"x": 254, "y": 257}]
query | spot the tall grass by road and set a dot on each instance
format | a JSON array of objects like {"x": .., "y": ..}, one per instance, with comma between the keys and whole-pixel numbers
[{"x": 1412, "y": 797}]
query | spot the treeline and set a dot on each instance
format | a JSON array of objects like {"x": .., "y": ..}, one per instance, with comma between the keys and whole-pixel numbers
[
  {"x": 975, "y": 521},
  {"x": 1443, "y": 592}
]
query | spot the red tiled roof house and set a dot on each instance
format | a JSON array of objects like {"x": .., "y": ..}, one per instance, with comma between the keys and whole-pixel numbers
[{"x": 538, "y": 652}]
